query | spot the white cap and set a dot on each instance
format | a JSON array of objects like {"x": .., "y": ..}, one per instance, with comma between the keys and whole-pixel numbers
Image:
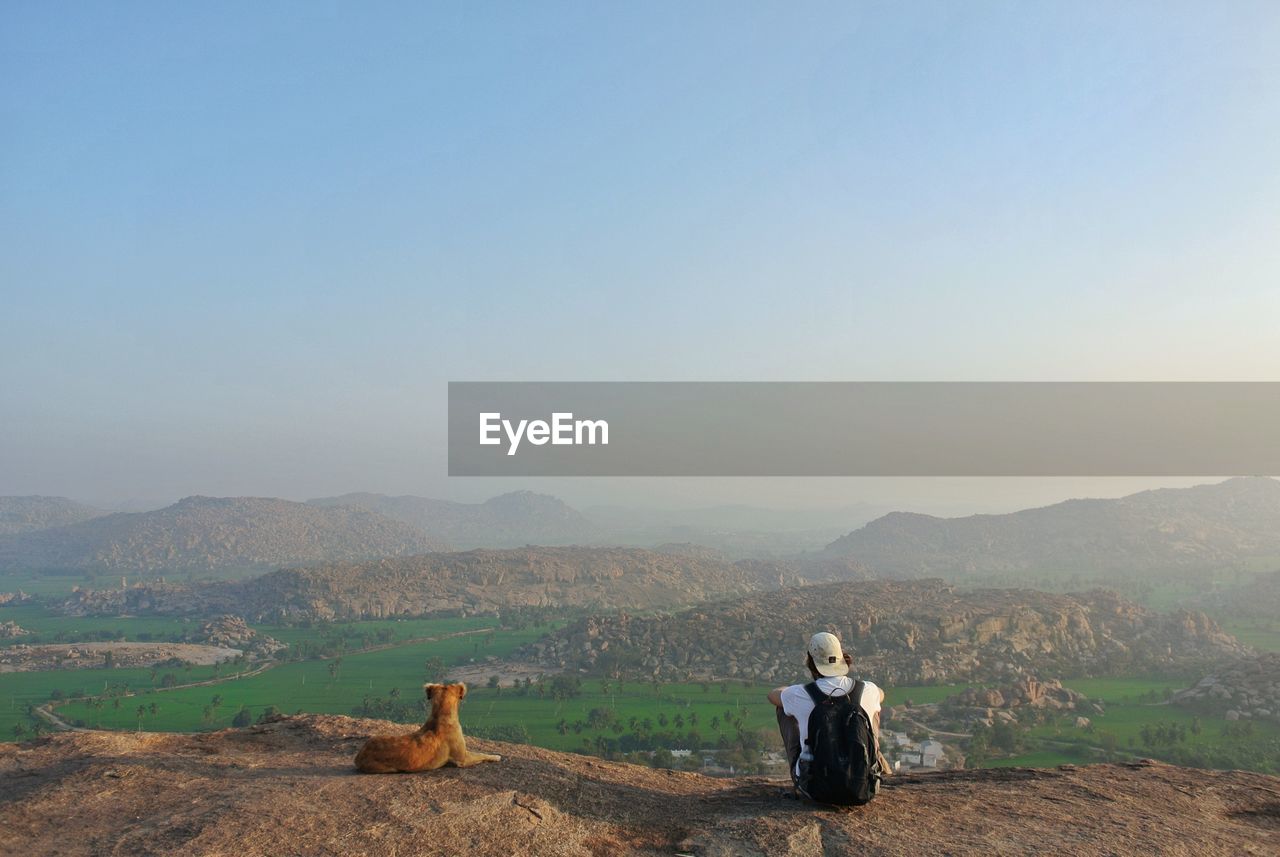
[{"x": 828, "y": 658}]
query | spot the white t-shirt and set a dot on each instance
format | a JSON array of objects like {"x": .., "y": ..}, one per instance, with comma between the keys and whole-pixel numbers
[{"x": 797, "y": 703}]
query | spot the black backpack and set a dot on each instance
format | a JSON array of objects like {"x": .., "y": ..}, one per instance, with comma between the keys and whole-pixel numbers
[{"x": 844, "y": 768}]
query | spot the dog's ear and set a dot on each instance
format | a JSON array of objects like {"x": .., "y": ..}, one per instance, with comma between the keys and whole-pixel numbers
[
  {"x": 462, "y": 690},
  {"x": 432, "y": 690}
]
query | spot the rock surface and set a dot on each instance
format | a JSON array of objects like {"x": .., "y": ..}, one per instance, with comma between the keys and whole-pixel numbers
[{"x": 288, "y": 787}]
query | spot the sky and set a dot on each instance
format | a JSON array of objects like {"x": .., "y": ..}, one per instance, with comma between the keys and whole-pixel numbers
[{"x": 245, "y": 246}]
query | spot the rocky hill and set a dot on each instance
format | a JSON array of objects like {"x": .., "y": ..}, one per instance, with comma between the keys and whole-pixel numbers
[
  {"x": 900, "y": 632},
  {"x": 211, "y": 534},
  {"x": 480, "y": 581},
  {"x": 288, "y": 787},
  {"x": 510, "y": 520},
  {"x": 25, "y": 514},
  {"x": 1245, "y": 690},
  {"x": 1208, "y": 526}
]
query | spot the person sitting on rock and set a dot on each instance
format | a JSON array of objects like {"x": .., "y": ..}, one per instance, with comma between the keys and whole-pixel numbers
[{"x": 831, "y": 687}]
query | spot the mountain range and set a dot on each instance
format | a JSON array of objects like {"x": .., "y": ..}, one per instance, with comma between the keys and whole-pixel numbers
[
  {"x": 27, "y": 514},
  {"x": 1203, "y": 527},
  {"x": 509, "y": 520},
  {"x": 212, "y": 534},
  {"x": 1170, "y": 531},
  {"x": 479, "y": 581}
]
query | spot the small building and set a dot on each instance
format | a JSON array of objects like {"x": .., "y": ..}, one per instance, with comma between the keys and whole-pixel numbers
[{"x": 931, "y": 754}]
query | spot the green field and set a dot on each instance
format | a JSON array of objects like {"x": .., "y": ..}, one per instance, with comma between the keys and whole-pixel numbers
[
  {"x": 326, "y": 686},
  {"x": 310, "y": 687},
  {"x": 1127, "y": 715},
  {"x": 49, "y": 627},
  {"x": 45, "y": 585},
  {"x": 1264, "y": 638},
  {"x": 599, "y": 714},
  {"x": 17, "y": 690}
]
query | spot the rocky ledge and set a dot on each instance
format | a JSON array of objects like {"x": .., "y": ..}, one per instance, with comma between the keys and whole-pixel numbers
[{"x": 288, "y": 787}]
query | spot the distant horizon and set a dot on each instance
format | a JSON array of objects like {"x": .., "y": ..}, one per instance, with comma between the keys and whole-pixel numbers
[{"x": 1102, "y": 488}]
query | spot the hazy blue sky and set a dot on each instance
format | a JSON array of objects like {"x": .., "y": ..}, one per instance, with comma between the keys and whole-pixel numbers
[{"x": 243, "y": 247}]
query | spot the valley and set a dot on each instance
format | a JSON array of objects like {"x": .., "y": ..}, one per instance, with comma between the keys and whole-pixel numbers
[{"x": 661, "y": 656}]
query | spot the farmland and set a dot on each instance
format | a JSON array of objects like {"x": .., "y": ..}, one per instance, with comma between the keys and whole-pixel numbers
[
  {"x": 377, "y": 668},
  {"x": 332, "y": 685},
  {"x": 1137, "y": 722}
]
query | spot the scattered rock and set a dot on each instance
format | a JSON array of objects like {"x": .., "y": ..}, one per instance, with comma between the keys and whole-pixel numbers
[{"x": 1250, "y": 686}]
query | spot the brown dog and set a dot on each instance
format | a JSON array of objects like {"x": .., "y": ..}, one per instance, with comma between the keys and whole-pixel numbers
[{"x": 439, "y": 742}]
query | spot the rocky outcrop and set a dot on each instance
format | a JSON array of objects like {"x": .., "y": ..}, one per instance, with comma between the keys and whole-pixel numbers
[
  {"x": 474, "y": 582},
  {"x": 1208, "y": 526},
  {"x": 1029, "y": 692},
  {"x": 211, "y": 534},
  {"x": 232, "y": 632},
  {"x": 985, "y": 705},
  {"x": 10, "y": 630},
  {"x": 1247, "y": 689},
  {"x": 288, "y": 786},
  {"x": 898, "y": 632}
]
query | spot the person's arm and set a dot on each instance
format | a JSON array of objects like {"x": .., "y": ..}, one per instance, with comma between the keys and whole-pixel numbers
[{"x": 775, "y": 696}]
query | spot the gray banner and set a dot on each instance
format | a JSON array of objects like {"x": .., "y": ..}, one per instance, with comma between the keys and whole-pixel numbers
[{"x": 863, "y": 429}]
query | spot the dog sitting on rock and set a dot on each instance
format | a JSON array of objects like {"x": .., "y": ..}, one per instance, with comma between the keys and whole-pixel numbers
[{"x": 438, "y": 743}]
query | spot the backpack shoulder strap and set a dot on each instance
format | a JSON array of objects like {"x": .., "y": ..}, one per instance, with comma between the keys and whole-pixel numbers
[
  {"x": 814, "y": 693},
  {"x": 856, "y": 694}
]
